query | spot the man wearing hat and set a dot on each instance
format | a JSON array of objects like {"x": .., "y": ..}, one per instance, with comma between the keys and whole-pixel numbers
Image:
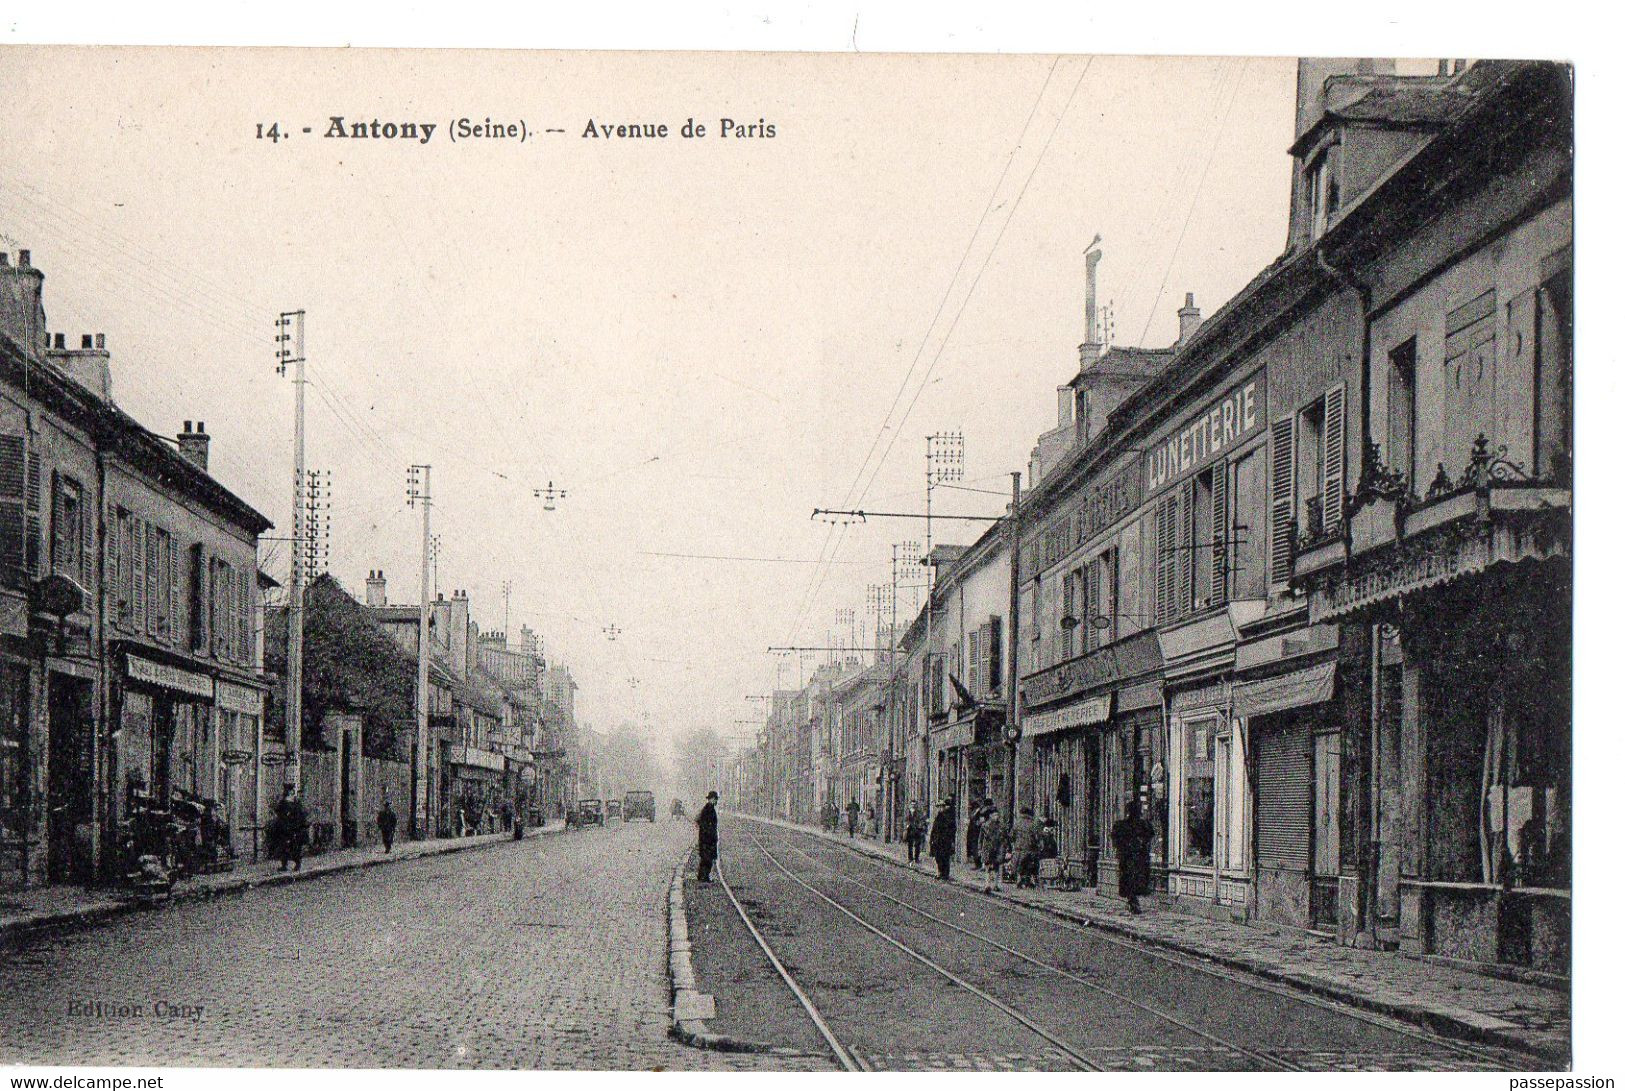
[
  {"x": 707, "y": 821},
  {"x": 942, "y": 837}
]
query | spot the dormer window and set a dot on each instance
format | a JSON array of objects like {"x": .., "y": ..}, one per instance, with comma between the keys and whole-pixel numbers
[{"x": 1321, "y": 190}]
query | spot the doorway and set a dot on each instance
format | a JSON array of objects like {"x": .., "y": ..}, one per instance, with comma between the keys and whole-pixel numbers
[{"x": 70, "y": 786}]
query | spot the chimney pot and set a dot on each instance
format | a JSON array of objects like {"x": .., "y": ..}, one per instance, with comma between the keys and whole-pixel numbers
[
  {"x": 1190, "y": 317},
  {"x": 24, "y": 259},
  {"x": 194, "y": 445},
  {"x": 101, "y": 341},
  {"x": 86, "y": 341}
]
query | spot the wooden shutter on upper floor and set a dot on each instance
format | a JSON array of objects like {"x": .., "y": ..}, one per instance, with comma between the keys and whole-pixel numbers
[
  {"x": 1091, "y": 606},
  {"x": 154, "y": 574},
  {"x": 198, "y": 585},
  {"x": 1283, "y": 436},
  {"x": 1333, "y": 461},
  {"x": 173, "y": 628},
  {"x": 13, "y": 533},
  {"x": 972, "y": 676},
  {"x": 138, "y": 575},
  {"x": 87, "y": 540},
  {"x": 1219, "y": 558},
  {"x": 995, "y": 654},
  {"x": 33, "y": 522},
  {"x": 1167, "y": 562},
  {"x": 110, "y": 568}
]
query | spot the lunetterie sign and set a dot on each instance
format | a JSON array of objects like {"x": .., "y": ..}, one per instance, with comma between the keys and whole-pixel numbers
[{"x": 1223, "y": 425}]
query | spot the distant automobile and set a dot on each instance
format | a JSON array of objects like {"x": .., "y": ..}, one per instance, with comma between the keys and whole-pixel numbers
[
  {"x": 677, "y": 809},
  {"x": 638, "y": 805},
  {"x": 612, "y": 808},
  {"x": 590, "y": 812}
]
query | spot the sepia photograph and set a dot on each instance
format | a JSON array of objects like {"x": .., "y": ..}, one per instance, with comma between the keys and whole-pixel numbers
[{"x": 525, "y": 559}]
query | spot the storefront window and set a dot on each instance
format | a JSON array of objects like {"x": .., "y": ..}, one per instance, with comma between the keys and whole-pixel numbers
[
  {"x": 13, "y": 752},
  {"x": 1198, "y": 791}
]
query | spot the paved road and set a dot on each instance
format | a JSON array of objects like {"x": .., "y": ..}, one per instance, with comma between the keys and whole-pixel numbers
[
  {"x": 546, "y": 953},
  {"x": 1071, "y": 997}
]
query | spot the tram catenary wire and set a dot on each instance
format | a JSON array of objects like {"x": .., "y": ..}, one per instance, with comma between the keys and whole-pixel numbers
[
  {"x": 1495, "y": 1061},
  {"x": 1073, "y": 1053}
]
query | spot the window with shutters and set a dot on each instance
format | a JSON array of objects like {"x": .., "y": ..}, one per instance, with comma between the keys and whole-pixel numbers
[
  {"x": 138, "y": 575},
  {"x": 68, "y": 517},
  {"x": 1069, "y": 610},
  {"x": 1202, "y": 495},
  {"x": 1307, "y": 472},
  {"x": 1249, "y": 527},
  {"x": 1185, "y": 550},
  {"x": 197, "y": 590},
  {"x": 1468, "y": 380},
  {"x": 154, "y": 576},
  {"x": 1221, "y": 538},
  {"x": 1102, "y": 598},
  {"x": 1167, "y": 558},
  {"x": 973, "y": 665},
  {"x": 164, "y": 601}
]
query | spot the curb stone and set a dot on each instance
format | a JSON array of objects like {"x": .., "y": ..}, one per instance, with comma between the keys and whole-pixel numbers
[
  {"x": 685, "y": 988},
  {"x": 1468, "y": 1026},
  {"x": 78, "y": 919}
]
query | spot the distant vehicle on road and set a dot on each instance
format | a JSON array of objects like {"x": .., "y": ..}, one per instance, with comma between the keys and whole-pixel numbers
[
  {"x": 677, "y": 809},
  {"x": 638, "y": 805},
  {"x": 612, "y": 808},
  {"x": 590, "y": 812}
]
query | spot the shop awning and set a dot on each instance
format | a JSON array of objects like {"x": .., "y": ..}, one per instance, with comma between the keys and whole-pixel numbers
[{"x": 1309, "y": 686}]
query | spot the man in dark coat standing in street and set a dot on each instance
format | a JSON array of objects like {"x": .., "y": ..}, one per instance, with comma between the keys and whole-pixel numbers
[
  {"x": 292, "y": 828},
  {"x": 852, "y": 818},
  {"x": 386, "y": 824},
  {"x": 707, "y": 821},
  {"x": 914, "y": 831},
  {"x": 1131, "y": 838},
  {"x": 942, "y": 837}
]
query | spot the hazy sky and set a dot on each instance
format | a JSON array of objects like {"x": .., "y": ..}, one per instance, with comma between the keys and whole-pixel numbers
[{"x": 698, "y": 339}]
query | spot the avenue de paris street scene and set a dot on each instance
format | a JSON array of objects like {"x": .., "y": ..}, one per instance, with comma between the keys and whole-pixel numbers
[{"x": 1081, "y": 583}]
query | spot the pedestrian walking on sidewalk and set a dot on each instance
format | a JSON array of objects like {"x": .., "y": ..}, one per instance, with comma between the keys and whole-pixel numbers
[
  {"x": 386, "y": 824},
  {"x": 852, "y": 818},
  {"x": 973, "y": 833},
  {"x": 992, "y": 844},
  {"x": 914, "y": 831},
  {"x": 942, "y": 837},
  {"x": 1131, "y": 838},
  {"x": 707, "y": 822},
  {"x": 292, "y": 827},
  {"x": 1024, "y": 847}
]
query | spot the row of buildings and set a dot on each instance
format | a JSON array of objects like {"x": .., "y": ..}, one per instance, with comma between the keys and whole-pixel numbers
[
  {"x": 1300, "y": 584},
  {"x": 141, "y": 655}
]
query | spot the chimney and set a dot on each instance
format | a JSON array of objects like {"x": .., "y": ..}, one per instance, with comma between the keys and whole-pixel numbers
[
  {"x": 88, "y": 365},
  {"x": 527, "y": 640},
  {"x": 194, "y": 445},
  {"x": 22, "y": 312},
  {"x": 1091, "y": 322},
  {"x": 375, "y": 589},
  {"x": 1190, "y": 317},
  {"x": 1064, "y": 397}
]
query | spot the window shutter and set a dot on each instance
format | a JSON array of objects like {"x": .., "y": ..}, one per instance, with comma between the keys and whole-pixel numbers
[
  {"x": 1186, "y": 547},
  {"x": 60, "y": 546},
  {"x": 13, "y": 533},
  {"x": 138, "y": 575},
  {"x": 33, "y": 522},
  {"x": 1167, "y": 561},
  {"x": 197, "y": 609},
  {"x": 87, "y": 541},
  {"x": 110, "y": 570},
  {"x": 1221, "y": 534},
  {"x": 172, "y": 622},
  {"x": 152, "y": 574},
  {"x": 1283, "y": 434},
  {"x": 245, "y": 615},
  {"x": 1331, "y": 489},
  {"x": 995, "y": 654},
  {"x": 1091, "y": 606},
  {"x": 973, "y": 662}
]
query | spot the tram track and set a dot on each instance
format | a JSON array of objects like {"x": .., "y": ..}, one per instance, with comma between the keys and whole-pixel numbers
[
  {"x": 1495, "y": 1058},
  {"x": 1194, "y": 1032}
]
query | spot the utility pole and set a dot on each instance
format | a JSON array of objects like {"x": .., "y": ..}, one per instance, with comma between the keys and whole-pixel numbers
[
  {"x": 418, "y": 495},
  {"x": 944, "y": 461},
  {"x": 507, "y": 595},
  {"x": 290, "y": 349},
  {"x": 1012, "y": 716}
]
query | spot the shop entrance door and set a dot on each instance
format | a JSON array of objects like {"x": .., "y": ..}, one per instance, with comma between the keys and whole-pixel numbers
[
  {"x": 1328, "y": 836},
  {"x": 70, "y": 786}
]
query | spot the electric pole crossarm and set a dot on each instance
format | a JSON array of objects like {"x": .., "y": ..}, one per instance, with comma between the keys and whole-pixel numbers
[{"x": 904, "y": 515}]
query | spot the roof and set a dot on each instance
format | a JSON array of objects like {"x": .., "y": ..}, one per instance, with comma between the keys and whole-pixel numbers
[
  {"x": 1395, "y": 102},
  {"x": 123, "y": 436},
  {"x": 1125, "y": 363}
]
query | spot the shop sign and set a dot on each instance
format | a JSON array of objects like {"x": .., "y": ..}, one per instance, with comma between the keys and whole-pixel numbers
[
  {"x": 270, "y": 760},
  {"x": 1223, "y": 425},
  {"x": 959, "y": 733},
  {"x": 236, "y": 698},
  {"x": 1075, "y": 675},
  {"x": 1413, "y": 570},
  {"x": 161, "y": 674},
  {"x": 1094, "y": 710},
  {"x": 477, "y": 758}
]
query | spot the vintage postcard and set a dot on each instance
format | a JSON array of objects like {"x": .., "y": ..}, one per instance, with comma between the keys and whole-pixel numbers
[{"x": 522, "y": 559}]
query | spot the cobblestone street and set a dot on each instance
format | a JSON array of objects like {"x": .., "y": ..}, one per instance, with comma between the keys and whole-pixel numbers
[{"x": 542, "y": 954}]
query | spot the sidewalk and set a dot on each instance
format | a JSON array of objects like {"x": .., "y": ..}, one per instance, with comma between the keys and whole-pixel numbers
[
  {"x": 1453, "y": 1002},
  {"x": 66, "y": 907}
]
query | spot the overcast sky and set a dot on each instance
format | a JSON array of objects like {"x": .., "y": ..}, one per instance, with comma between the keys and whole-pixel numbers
[{"x": 700, "y": 340}]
